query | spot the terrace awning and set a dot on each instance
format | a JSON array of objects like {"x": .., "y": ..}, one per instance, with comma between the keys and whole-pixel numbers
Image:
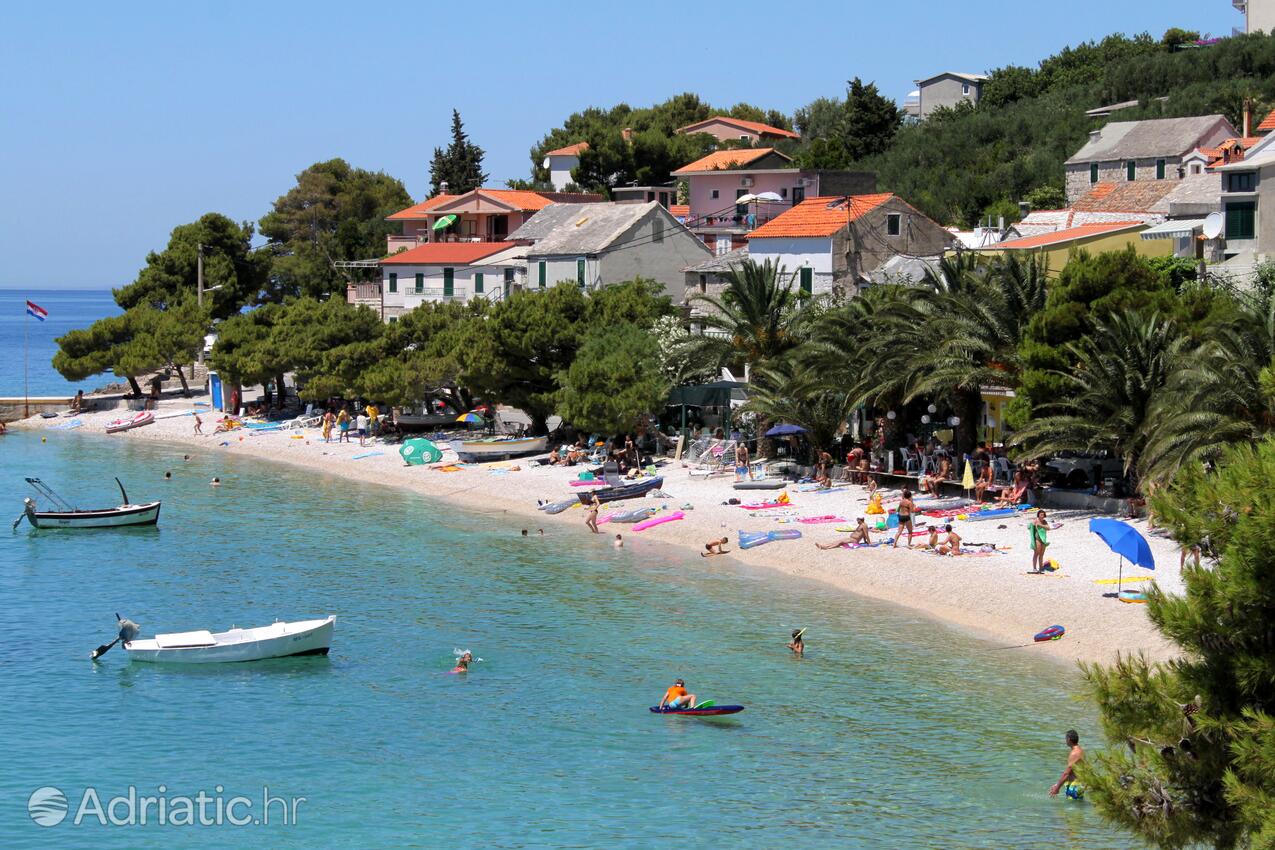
[
  {"x": 717, "y": 394},
  {"x": 1183, "y": 228}
]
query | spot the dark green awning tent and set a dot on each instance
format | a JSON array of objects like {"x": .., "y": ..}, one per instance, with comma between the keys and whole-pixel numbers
[{"x": 716, "y": 394}]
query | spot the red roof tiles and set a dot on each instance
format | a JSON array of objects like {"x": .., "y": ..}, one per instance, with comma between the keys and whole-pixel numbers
[
  {"x": 822, "y": 216},
  {"x": 516, "y": 198},
  {"x": 1268, "y": 123},
  {"x": 1134, "y": 196},
  {"x": 446, "y": 253},
  {"x": 755, "y": 127},
  {"x": 721, "y": 160},
  {"x": 1081, "y": 232},
  {"x": 569, "y": 150}
]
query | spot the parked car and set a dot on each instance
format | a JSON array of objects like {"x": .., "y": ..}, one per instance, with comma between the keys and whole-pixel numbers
[{"x": 1076, "y": 470}]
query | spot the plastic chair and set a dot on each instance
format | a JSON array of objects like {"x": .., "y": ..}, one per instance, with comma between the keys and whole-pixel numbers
[
  {"x": 911, "y": 466},
  {"x": 1002, "y": 471}
]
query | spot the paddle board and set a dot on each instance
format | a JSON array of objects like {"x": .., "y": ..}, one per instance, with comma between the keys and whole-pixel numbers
[{"x": 711, "y": 711}]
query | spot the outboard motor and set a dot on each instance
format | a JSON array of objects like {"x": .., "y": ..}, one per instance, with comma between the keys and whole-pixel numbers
[{"x": 128, "y": 629}]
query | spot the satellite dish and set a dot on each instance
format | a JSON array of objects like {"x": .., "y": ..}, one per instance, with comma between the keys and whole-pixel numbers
[{"x": 1213, "y": 225}]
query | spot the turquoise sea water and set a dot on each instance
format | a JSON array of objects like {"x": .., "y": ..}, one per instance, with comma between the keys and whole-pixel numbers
[
  {"x": 893, "y": 732},
  {"x": 68, "y": 309}
]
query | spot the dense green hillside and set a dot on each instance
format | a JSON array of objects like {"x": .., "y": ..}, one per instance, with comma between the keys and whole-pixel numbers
[{"x": 968, "y": 162}]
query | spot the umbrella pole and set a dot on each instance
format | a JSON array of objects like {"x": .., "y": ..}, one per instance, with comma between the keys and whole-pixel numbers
[{"x": 1120, "y": 578}]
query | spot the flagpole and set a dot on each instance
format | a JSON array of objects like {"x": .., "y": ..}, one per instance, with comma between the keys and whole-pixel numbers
[{"x": 26, "y": 357}]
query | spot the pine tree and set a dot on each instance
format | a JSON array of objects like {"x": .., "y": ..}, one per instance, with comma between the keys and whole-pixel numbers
[
  {"x": 1194, "y": 762},
  {"x": 460, "y": 166}
]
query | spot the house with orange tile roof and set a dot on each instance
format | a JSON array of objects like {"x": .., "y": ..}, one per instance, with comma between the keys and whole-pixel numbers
[
  {"x": 480, "y": 215},
  {"x": 727, "y": 129},
  {"x": 835, "y": 242},
  {"x": 732, "y": 192},
  {"x": 1056, "y": 248},
  {"x": 445, "y": 271},
  {"x": 560, "y": 162}
]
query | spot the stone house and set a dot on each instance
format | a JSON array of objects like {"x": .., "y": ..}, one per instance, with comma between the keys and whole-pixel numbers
[{"x": 1129, "y": 151}]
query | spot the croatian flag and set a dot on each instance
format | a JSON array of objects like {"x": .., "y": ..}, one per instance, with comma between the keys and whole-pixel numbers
[{"x": 36, "y": 310}]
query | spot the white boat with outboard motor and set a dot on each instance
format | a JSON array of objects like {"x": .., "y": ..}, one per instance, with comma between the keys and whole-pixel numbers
[
  {"x": 278, "y": 640},
  {"x": 70, "y": 516}
]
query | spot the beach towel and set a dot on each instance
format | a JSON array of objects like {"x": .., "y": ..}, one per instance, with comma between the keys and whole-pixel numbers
[{"x": 819, "y": 520}]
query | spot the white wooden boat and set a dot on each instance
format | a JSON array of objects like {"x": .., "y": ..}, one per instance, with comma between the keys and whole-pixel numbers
[
  {"x": 498, "y": 448},
  {"x": 144, "y": 417},
  {"x": 69, "y": 516},
  {"x": 277, "y": 640}
]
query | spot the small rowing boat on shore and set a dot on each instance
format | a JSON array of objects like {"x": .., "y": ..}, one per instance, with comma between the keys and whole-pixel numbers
[
  {"x": 498, "y": 448},
  {"x": 277, "y": 640},
  {"x": 69, "y": 516},
  {"x": 623, "y": 491},
  {"x": 144, "y": 417}
]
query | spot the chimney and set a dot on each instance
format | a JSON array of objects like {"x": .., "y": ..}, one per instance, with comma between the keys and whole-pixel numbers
[
  {"x": 1095, "y": 135},
  {"x": 1024, "y": 208},
  {"x": 1248, "y": 117}
]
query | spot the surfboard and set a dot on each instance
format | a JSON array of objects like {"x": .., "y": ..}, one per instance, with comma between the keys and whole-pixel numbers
[{"x": 1129, "y": 580}]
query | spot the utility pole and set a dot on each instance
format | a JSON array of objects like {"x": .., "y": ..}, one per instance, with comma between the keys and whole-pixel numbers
[{"x": 199, "y": 291}]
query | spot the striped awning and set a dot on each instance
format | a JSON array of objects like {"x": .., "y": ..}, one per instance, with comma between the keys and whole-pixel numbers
[{"x": 1183, "y": 228}]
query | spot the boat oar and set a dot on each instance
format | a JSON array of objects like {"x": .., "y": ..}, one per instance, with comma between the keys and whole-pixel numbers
[{"x": 18, "y": 520}]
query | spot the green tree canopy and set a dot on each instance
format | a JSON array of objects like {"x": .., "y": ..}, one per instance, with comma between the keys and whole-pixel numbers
[
  {"x": 1192, "y": 761},
  {"x": 614, "y": 378},
  {"x": 334, "y": 212},
  {"x": 170, "y": 275},
  {"x": 655, "y": 149},
  {"x": 460, "y": 166},
  {"x": 517, "y": 352},
  {"x": 862, "y": 126}
]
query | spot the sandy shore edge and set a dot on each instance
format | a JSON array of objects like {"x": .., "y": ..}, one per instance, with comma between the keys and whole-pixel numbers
[{"x": 989, "y": 596}]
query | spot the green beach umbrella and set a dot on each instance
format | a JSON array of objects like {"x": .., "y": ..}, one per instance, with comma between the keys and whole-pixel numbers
[
  {"x": 419, "y": 451},
  {"x": 445, "y": 221}
]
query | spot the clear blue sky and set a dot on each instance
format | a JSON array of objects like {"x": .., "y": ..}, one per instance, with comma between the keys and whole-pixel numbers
[{"x": 120, "y": 120}]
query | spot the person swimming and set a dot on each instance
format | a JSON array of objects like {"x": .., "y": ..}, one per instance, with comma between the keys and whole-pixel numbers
[
  {"x": 168, "y": 476},
  {"x": 463, "y": 662},
  {"x": 797, "y": 645},
  {"x": 677, "y": 696},
  {"x": 216, "y": 482},
  {"x": 619, "y": 542}
]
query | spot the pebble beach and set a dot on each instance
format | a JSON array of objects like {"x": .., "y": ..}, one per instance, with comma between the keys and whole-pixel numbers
[{"x": 989, "y": 593}]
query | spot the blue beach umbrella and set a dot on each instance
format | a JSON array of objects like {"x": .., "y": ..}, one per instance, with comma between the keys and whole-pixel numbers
[
  {"x": 785, "y": 430},
  {"x": 1123, "y": 539}
]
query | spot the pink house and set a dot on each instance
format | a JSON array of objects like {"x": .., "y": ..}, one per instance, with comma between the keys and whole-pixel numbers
[
  {"x": 732, "y": 192},
  {"x": 727, "y": 129},
  {"x": 480, "y": 215}
]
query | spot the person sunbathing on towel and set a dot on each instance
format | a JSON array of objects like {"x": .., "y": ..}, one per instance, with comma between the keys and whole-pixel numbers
[
  {"x": 861, "y": 535},
  {"x": 951, "y": 545}
]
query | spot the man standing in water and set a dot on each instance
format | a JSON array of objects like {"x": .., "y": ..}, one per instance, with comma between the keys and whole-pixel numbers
[{"x": 1068, "y": 778}]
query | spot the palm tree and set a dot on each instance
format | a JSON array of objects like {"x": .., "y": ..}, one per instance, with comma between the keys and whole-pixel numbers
[
  {"x": 1119, "y": 374},
  {"x": 756, "y": 318},
  {"x": 1222, "y": 392},
  {"x": 945, "y": 339},
  {"x": 787, "y": 390}
]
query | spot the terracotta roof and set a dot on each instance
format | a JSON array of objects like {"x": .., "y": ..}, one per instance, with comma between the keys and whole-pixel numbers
[
  {"x": 446, "y": 253},
  {"x": 1268, "y": 123},
  {"x": 419, "y": 210},
  {"x": 752, "y": 126},
  {"x": 516, "y": 198},
  {"x": 569, "y": 150},
  {"x": 721, "y": 160},
  {"x": 821, "y": 216},
  {"x": 679, "y": 210},
  {"x": 1133, "y": 196},
  {"x": 1068, "y": 235}
]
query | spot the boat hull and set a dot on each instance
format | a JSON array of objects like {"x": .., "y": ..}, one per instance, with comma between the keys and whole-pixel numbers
[
  {"x": 624, "y": 491},
  {"x": 278, "y": 640},
  {"x": 125, "y": 515},
  {"x": 480, "y": 450},
  {"x": 144, "y": 418}
]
